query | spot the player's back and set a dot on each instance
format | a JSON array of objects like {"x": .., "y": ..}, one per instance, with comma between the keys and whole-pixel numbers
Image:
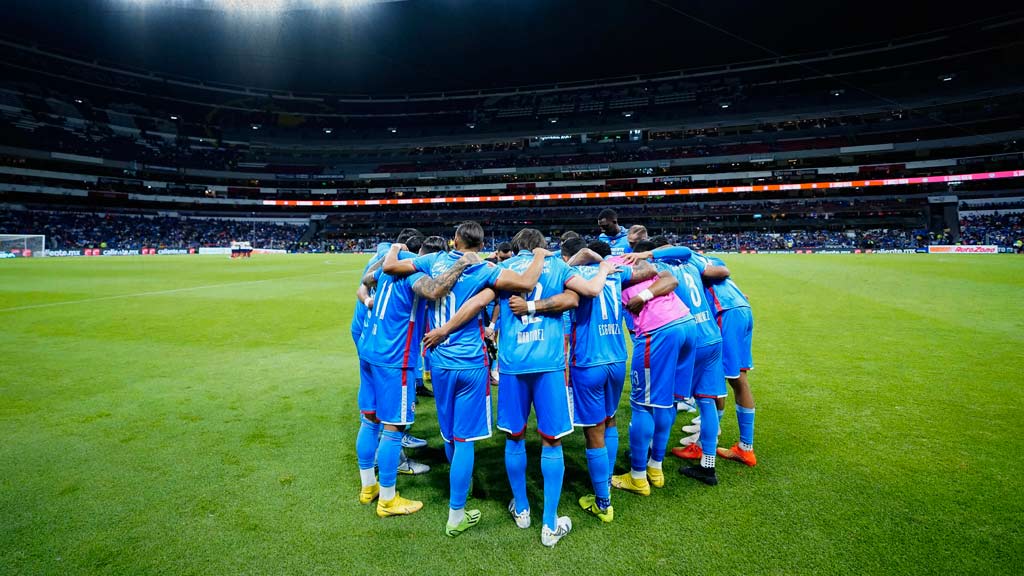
[
  {"x": 691, "y": 292},
  {"x": 359, "y": 314},
  {"x": 465, "y": 347},
  {"x": 596, "y": 336},
  {"x": 533, "y": 343},
  {"x": 395, "y": 325}
]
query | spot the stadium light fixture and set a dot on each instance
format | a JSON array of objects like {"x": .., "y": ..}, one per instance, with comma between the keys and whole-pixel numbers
[
  {"x": 393, "y": 130},
  {"x": 838, "y": 92},
  {"x": 628, "y": 114},
  {"x": 78, "y": 100},
  {"x": 947, "y": 77},
  {"x": 255, "y": 126},
  {"x": 328, "y": 130},
  {"x": 470, "y": 125},
  {"x": 553, "y": 120},
  {"x": 724, "y": 105},
  {"x": 173, "y": 117}
]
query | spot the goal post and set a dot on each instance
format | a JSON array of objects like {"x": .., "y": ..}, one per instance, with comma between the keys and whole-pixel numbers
[{"x": 23, "y": 245}]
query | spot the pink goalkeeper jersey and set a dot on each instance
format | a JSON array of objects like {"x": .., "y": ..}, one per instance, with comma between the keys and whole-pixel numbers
[{"x": 658, "y": 311}]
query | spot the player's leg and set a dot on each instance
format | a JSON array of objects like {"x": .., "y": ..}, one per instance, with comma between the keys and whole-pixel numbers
[
  {"x": 367, "y": 438},
  {"x": 472, "y": 410},
  {"x": 673, "y": 348},
  {"x": 709, "y": 386},
  {"x": 737, "y": 360},
  {"x": 590, "y": 386},
  {"x": 641, "y": 426},
  {"x": 396, "y": 394},
  {"x": 514, "y": 403},
  {"x": 554, "y": 421},
  {"x": 611, "y": 430}
]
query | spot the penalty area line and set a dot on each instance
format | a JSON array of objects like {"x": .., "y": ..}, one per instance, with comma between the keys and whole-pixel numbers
[{"x": 169, "y": 291}]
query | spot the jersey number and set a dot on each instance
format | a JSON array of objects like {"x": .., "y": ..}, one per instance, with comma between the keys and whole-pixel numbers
[
  {"x": 533, "y": 297},
  {"x": 616, "y": 300},
  {"x": 694, "y": 291}
]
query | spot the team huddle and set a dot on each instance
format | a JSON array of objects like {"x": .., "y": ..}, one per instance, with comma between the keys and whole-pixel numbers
[{"x": 551, "y": 330}]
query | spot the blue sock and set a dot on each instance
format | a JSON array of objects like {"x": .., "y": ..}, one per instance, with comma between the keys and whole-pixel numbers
[
  {"x": 708, "y": 427},
  {"x": 663, "y": 420},
  {"x": 721, "y": 414},
  {"x": 366, "y": 443},
  {"x": 515, "y": 466},
  {"x": 449, "y": 450},
  {"x": 461, "y": 474},
  {"x": 552, "y": 467},
  {"x": 641, "y": 432},
  {"x": 597, "y": 464},
  {"x": 745, "y": 417},
  {"x": 611, "y": 444},
  {"x": 387, "y": 458}
]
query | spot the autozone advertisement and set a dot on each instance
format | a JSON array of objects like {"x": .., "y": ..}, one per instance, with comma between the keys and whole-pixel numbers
[{"x": 963, "y": 249}]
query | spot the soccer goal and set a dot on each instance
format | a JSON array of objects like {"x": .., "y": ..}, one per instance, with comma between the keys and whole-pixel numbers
[{"x": 24, "y": 245}]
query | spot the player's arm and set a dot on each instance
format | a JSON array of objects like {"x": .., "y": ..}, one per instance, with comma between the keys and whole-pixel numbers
[
  {"x": 489, "y": 330},
  {"x": 584, "y": 256},
  {"x": 437, "y": 288},
  {"x": 714, "y": 273},
  {"x": 665, "y": 284},
  {"x": 364, "y": 296},
  {"x": 468, "y": 311},
  {"x": 557, "y": 304},
  {"x": 511, "y": 281},
  {"x": 395, "y": 267},
  {"x": 594, "y": 286},
  {"x": 642, "y": 270},
  {"x": 370, "y": 278}
]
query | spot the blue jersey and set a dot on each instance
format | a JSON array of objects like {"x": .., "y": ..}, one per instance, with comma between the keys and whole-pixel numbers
[
  {"x": 464, "y": 347},
  {"x": 359, "y": 316},
  {"x": 619, "y": 243},
  {"x": 724, "y": 294},
  {"x": 691, "y": 292},
  {"x": 533, "y": 343},
  {"x": 597, "y": 327},
  {"x": 395, "y": 326}
]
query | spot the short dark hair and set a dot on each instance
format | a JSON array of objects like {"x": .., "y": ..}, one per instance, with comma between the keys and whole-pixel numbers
[
  {"x": 504, "y": 247},
  {"x": 471, "y": 233},
  {"x": 644, "y": 246},
  {"x": 602, "y": 248},
  {"x": 527, "y": 239},
  {"x": 609, "y": 214},
  {"x": 411, "y": 237},
  {"x": 571, "y": 246},
  {"x": 569, "y": 234},
  {"x": 659, "y": 241},
  {"x": 433, "y": 244}
]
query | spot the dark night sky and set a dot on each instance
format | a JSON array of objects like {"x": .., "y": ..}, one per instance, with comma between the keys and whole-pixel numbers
[{"x": 427, "y": 45}]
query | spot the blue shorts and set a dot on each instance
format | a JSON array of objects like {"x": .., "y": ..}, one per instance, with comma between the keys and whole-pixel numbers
[
  {"x": 708, "y": 376},
  {"x": 596, "y": 391},
  {"x": 660, "y": 359},
  {"x": 547, "y": 392},
  {"x": 737, "y": 337},
  {"x": 463, "y": 399},
  {"x": 388, "y": 394},
  {"x": 426, "y": 360}
]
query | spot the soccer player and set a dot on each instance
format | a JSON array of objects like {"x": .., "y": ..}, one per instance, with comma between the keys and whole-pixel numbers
[
  {"x": 736, "y": 320},
  {"x": 501, "y": 253},
  {"x": 459, "y": 363},
  {"x": 597, "y": 365},
  {"x": 386, "y": 366},
  {"x": 708, "y": 381},
  {"x": 412, "y": 238},
  {"x": 636, "y": 233},
  {"x": 612, "y": 233},
  {"x": 663, "y": 350}
]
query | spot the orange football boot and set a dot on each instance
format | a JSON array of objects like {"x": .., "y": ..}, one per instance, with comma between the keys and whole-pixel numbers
[
  {"x": 691, "y": 452},
  {"x": 738, "y": 454}
]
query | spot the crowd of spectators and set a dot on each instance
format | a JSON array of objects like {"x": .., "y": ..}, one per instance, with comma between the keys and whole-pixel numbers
[
  {"x": 81, "y": 230},
  {"x": 996, "y": 229}
]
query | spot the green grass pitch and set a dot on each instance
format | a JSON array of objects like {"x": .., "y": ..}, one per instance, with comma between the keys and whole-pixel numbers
[{"x": 195, "y": 415}]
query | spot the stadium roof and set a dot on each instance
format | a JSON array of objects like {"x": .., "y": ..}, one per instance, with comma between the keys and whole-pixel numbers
[{"x": 409, "y": 46}]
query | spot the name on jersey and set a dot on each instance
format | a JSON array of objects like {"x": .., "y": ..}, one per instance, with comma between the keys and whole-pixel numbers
[
  {"x": 530, "y": 336},
  {"x": 609, "y": 329},
  {"x": 702, "y": 317}
]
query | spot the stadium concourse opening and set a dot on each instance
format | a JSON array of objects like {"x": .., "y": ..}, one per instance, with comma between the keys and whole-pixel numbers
[{"x": 561, "y": 235}]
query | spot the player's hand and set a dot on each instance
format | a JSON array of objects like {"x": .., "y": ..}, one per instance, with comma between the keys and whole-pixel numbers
[
  {"x": 635, "y": 304},
  {"x": 369, "y": 303},
  {"x": 634, "y": 257},
  {"x": 608, "y": 267},
  {"x": 399, "y": 247},
  {"x": 471, "y": 258},
  {"x": 542, "y": 252},
  {"x": 434, "y": 338},
  {"x": 518, "y": 305},
  {"x": 489, "y": 333}
]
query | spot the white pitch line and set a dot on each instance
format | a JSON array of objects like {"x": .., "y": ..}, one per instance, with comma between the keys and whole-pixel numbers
[{"x": 161, "y": 292}]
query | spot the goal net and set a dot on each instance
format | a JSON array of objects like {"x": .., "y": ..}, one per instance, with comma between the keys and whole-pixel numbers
[{"x": 23, "y": 245}]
